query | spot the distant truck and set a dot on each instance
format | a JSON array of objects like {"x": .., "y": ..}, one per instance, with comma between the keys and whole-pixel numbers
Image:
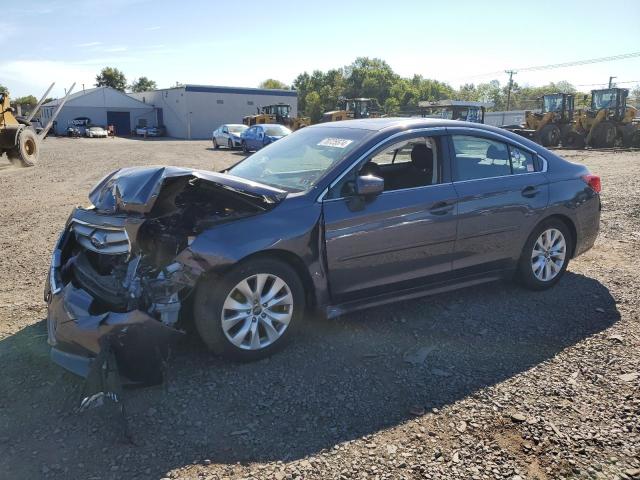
[{"x": 454, "y": 110}]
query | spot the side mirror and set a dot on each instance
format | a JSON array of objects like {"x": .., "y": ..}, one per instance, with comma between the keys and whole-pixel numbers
[{"x": 369, "y": 185}]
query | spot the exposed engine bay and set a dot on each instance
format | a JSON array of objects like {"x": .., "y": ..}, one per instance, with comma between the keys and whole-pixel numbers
[{"x": 124, "y": 262}]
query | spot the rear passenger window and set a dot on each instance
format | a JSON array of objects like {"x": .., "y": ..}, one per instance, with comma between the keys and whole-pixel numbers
[
  {"x": 521, "y": 161},
  {"x": 477, "y": 157}
]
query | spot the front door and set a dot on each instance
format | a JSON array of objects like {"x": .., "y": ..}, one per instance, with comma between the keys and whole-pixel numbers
[{"x": 402, "y": 235}]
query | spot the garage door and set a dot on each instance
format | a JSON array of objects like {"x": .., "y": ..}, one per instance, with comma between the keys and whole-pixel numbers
[{"x": 121, "y": 121}]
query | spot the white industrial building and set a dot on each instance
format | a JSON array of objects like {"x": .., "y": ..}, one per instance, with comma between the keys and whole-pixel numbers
[
  {"x": 194, "y": 111},
  {"x": 101, "y": 106}
]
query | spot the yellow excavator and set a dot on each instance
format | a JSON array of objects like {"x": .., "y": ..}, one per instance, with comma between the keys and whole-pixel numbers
[
  {"x": 609, "y": 122},
  {"x": 277, "y": 113},
  {"x": 552, "y": 124},
  {"x": 352, "y": 108},
  {"x": 18, "y": 139}
]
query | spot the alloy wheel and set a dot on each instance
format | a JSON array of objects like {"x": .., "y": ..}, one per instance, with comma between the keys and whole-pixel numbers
[
  {"x": 548, "y": 255},
  {"x": 257, "y": 311}
]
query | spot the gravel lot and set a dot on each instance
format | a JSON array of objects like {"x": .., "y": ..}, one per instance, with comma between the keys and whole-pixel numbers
[{"x": 484, "y": 383}]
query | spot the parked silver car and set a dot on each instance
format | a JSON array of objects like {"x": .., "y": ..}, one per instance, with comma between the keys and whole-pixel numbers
[
  {"x": 95, "y": 132},
  {"x": 228, "y": 135}
]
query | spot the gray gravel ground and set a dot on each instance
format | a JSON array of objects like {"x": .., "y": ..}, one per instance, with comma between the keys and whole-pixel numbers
[{"x": 484, "y": 383}]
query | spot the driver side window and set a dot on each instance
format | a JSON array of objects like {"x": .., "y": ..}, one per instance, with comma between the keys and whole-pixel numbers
[{"x": 410, "y": 163}]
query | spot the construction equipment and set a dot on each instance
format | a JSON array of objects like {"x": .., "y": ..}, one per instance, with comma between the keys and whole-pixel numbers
[
  {"x": 552, "y": 124},
  {"x": 352, "y": 108},
  {"x": 277, "y": 113},
  {"x": 607, "y": 123},
  {"x": 18, "y": 139},
  {"x": 454, "y": 110}
]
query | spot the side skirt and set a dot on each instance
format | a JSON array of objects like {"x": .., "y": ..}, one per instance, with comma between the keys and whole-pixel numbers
[{"x": 333, "y": 311}]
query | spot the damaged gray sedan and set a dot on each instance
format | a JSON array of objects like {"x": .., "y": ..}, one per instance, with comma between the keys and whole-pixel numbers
[{"x": 335, "y": 217}]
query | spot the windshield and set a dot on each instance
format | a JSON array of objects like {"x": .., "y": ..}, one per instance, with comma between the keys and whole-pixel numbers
[
  {"x": 606, "y": 99},
  {"x": 276, "y": 131},
  {"x": 96, "y": 129},
  {"x": 552, "y": 103},
  {"x": 237, "y": 128},
  {"x": 298, "y": 161}
]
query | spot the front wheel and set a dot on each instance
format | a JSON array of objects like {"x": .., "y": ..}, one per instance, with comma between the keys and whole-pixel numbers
[
  {"x": 545, "y": 255},
  {"x": 215, "y": 144},
  {"x": 245, "y": 149},
  {"x": 229, "y": 144},
  {"x": 27, "y": 151},
  {"x": 250, "y": 312}
]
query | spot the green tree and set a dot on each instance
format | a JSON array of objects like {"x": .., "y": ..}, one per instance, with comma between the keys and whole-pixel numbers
[
  {"x": 369, "y": 77},
  {"x": 3, "y": 90},
  {"x": 143, "y": 84},
  {"x": 313, "y": 106},
  {"x": 391, "y": 106},
  {"x": 272, "y": 83},
  {"x": 25, "y": 101},
  {"x": 111, "y": 77}
]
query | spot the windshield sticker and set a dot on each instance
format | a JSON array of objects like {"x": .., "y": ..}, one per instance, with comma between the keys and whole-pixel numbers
[{"x": 335, "y": 142}]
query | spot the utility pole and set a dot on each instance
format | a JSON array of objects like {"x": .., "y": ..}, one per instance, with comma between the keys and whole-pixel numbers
[
  {"x": 511, "y": 73},
  {"x": 611, "y": 81}
]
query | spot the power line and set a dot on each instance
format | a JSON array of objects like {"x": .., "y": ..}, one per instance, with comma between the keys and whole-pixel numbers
[
  {"x": 605, "y": 83},
  {"x": 574, "y": 63}
]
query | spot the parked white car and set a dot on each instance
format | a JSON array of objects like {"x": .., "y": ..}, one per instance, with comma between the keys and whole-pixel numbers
[
  {"x": 149, "y": 131},
  {"x": 228, "y": 135},
  {"x": 95, "y": 132}
]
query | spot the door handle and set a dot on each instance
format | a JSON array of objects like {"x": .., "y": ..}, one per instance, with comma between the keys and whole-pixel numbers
[
  {"x": 441, "y": 208},
  {"x": 530, "y": 191}
]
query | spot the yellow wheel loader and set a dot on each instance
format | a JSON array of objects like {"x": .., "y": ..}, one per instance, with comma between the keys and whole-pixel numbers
[
  {"x": 352, "y": 108},
  {"x": 277, "y": 113},
  {"x": 552, "y": 124},
  {"x": 18, "y": 139},
  {"x": 609, "y": 122}
]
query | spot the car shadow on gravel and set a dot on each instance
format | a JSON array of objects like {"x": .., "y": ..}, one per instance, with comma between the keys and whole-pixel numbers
[{"x": 338, "y": 381}]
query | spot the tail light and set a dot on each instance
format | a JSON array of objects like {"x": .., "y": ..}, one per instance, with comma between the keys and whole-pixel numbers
[{"x": 593, "y": 181}]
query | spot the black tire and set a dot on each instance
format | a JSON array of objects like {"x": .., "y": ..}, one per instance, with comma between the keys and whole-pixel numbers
[
  {"x": 635, "y": 139},
  {"x": 525, "y": 272},
  {"x": 604, "y": 135},
  {"x": 215, "y": 144},
  {"x": 210, "y": 299},
  {"x": 245, "y": 149},
  {"x": 574, "y": 140},
  {"x": 550, "y": 136},
  {"x": 27, "y": 151},
  {"x": 229, "y": 144},
  {"x": 627, "y": 131}
]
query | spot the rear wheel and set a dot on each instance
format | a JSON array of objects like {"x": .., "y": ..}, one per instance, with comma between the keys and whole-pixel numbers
[
  {"x": 635, "y": 139},
  {"x": 27, "y": 150},
  {"x": 574, "y": 140},
  {"x": 604, "y": 135},
  {"x": 550, "y": 136},
  {"x": 545, "y": 255},
  {"x": 251, "y": 311}
]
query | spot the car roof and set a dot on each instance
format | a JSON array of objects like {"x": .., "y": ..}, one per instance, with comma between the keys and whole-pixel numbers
[
  {"x": 377, "y": 124},
  {"x": 234, "y": 125},
  {"x": 269, "y": 125}
]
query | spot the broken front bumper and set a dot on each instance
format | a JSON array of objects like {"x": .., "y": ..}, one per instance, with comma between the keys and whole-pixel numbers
[{"x": 139, "y": 342}]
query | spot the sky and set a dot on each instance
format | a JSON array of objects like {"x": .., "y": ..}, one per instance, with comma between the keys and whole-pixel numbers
[{"x": 234, "y": 43}]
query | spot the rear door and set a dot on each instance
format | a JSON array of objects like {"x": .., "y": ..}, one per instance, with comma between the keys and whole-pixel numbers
[
  {"x": 502, "y": 191},
  {"x": 402, "y": 236}
]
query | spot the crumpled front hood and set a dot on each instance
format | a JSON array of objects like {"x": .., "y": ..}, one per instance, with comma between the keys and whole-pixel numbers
[{"x": 136, "y": 189}]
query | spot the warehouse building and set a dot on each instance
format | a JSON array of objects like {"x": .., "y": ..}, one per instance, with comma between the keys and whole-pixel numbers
[
  {"x": 101, "y": 106},
  {"x": 194, "y": 111}
]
